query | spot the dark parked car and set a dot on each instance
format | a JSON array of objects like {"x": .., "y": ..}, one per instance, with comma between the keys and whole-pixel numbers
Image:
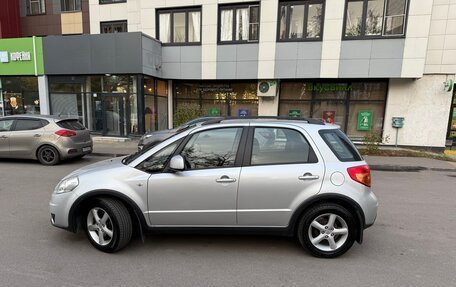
[{"x": 152, "y": 138}]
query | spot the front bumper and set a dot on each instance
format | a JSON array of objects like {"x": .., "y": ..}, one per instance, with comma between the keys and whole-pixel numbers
[{"x": 59, "y": 208}]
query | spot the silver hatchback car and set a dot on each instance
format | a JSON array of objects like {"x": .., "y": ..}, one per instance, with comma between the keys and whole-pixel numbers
[
  {"x": 296, "y": 177},
  {"x": 49, "y": 139}
]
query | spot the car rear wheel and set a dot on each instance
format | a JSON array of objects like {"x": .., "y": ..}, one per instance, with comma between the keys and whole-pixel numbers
[
  {"x": 48, "y": 155},
  {"x": 108, "y": 225},
  {"x": 327, "y": 230}
]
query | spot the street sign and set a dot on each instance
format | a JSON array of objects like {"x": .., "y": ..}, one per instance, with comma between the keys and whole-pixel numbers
[{"x": 243, "y": 113}]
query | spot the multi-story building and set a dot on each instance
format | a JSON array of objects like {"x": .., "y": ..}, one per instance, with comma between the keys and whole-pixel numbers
[{"x": 356, "y": 63}]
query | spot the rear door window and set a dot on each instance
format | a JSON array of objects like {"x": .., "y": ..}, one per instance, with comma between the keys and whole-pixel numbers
[
  {"x": 74, "y": 125},
  {"x": 28, "y": 125},
  {"x": 340, "y": 145},
  {"x": 280, "y": 146}
]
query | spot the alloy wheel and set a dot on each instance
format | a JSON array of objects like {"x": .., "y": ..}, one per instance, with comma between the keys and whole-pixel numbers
[
  {"x": 48, "y": 155},
  {"x": 99, "y": 225},
  {"x": 328, "y": 232}
]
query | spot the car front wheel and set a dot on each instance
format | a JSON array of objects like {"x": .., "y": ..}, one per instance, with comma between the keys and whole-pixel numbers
[
  {"x": 108, "y": 225},
  {"x": 327, "y": 230}
]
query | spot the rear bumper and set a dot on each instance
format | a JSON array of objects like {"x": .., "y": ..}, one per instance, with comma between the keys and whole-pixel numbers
[{"x": 69, "y": 149}]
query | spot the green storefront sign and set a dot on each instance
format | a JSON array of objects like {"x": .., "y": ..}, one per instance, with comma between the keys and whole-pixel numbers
[
  {"x": 21, "y": 56},
  {"x": 214, "y": 112},
  {"x": 294, "y": 113},
  {"x": 364, "y": 121}
]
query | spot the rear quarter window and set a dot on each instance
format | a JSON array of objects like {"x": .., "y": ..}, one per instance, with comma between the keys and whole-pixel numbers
[
  {"x": 340, "y": 145},
  {"x": 74, "y": 125}
]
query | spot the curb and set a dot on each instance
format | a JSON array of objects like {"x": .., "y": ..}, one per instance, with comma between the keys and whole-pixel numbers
[{"x": 401, "y": 168}]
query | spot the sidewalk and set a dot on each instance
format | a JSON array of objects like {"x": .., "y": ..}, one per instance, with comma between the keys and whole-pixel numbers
[{"x": 113, "y": 147}]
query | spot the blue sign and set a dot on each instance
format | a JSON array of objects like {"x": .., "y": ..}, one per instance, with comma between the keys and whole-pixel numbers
[{"x": 243, "y": 112}]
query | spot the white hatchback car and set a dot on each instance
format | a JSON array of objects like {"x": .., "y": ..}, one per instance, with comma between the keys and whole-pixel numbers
[{"x": 291, "y": 177}]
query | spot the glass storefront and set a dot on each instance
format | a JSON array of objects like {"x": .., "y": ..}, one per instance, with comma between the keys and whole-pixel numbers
[
  {"x": 218, "y": 98},
  {"x": 357, "y": 107},
  {"x": 19, "y": 95},
  {"x": 105, "y": 104},
  {"x": 155, "y": 104},
  {"x": 452, "y": 121},
  {"x": 111, "y": 104}
]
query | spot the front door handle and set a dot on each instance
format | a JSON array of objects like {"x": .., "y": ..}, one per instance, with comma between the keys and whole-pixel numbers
[
  {"x": 4, "y": 137},
  {"x": 225, "y": 179},
  {"x": 37, "y": 135},
  {"x": 308, "y": 176}
]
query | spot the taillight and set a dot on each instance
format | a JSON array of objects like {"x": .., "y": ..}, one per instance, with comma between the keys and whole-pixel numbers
[
  {"x": 360, "y": 174},
  {"x": 65, "y": 133}
]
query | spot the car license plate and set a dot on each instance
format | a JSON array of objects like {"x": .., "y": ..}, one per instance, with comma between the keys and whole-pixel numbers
[{"x": 84, "y": 149}]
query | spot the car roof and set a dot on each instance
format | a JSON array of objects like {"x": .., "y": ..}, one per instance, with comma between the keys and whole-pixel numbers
[{"x": 307, "y": 123}]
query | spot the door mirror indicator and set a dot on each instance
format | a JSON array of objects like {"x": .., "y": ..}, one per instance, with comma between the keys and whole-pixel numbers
[{"x": 177, "y": 163}]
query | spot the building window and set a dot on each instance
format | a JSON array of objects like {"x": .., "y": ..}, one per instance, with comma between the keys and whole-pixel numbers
[
  {"x": 155, "y": 104},
  {"x": 336, "y": 102},
  {"x": 70, "y": 5},
  {"x": 239, "y": 24},
  {"x": 375, "y": 18},
  {"x": 36, "y": 7},
  {"x": 111, "y": 1},
  {"x": 19, "y": 95},
  {"x": 300, "y": 20},
  {"x": 180, "y": 26},
  {"x": 113, "y": 27},
  {"x": 218, "y": 98}
]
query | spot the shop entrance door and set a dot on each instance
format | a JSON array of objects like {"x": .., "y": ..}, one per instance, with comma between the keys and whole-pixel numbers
[{"x": 109, "y": 114}]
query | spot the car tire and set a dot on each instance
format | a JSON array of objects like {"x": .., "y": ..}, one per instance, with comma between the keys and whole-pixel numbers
[
  {"x": 327, "y": 230},
  {"x": 108, "y": 225},
  {"x": 48, "y": 155}
]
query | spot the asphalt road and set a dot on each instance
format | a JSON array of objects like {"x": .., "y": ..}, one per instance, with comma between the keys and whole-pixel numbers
[{"x": 413, "y": 243}]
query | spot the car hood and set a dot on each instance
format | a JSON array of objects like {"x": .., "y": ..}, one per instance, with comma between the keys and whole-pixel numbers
[{"x": 104, "y": 165}]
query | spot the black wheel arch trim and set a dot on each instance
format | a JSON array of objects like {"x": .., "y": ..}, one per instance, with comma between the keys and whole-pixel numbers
[
  {"x": 73, "y": 224},
  {"x": 333, "y": 198}
]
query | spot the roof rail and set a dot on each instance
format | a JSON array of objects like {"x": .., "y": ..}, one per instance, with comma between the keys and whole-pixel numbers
[{"x": 308, "y": 120}]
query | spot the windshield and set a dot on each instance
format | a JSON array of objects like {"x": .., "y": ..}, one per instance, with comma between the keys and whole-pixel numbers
[{"x": 128, "y": 159}]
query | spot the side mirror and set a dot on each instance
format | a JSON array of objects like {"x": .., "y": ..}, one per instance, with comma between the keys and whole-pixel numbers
[{"x": 177, "y": 163}]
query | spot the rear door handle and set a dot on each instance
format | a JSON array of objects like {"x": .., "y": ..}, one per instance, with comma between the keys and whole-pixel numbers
[
  {"x": 37, "y": 135},
  {"x": 308, "y": 176},
  {"x": 4, "y": 137},
  {"x": 225, "y": 179}
]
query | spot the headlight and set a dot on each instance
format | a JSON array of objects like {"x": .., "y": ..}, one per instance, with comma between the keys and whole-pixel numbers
[{"x": 67, "y": 185}]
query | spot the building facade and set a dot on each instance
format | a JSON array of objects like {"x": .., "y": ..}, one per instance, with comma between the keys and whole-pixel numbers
[{"x": 355, "y": 63}]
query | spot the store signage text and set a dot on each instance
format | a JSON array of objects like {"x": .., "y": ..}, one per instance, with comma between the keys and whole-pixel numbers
[
  {"x": 15, "y": 56},
  {"x": 218, "y": 88},
  {"x": 321, "y": 88}
]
